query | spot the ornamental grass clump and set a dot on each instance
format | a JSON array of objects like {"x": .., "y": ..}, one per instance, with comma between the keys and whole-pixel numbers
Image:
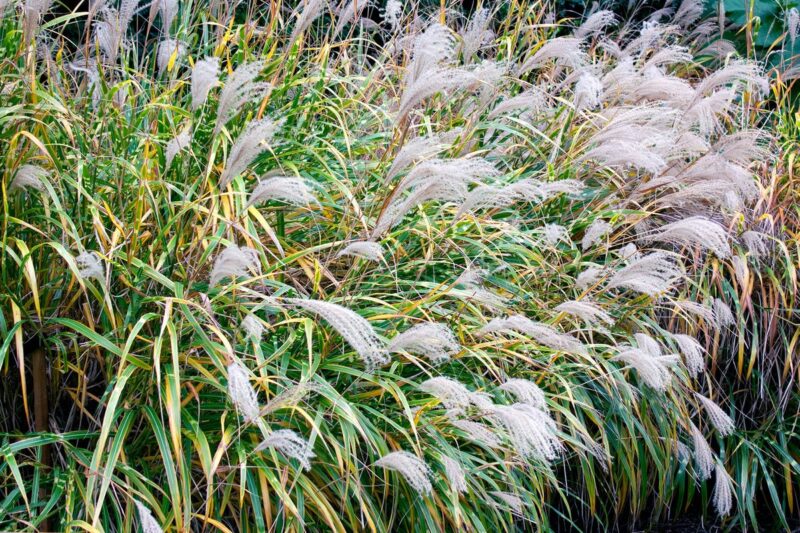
[{"x": 283, "y": 267}]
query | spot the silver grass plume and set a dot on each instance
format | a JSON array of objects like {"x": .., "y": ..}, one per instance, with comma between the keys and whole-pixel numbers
[
  {"x": 692, "y": 351},
  {"x": 697, "y": 310},
  {"x": 290, "y": 444},
  {"x": 570, "y": 187},
  {"x": 652, "y": 369},
  {"x": 737, "y": 71},
  {"x": 587, "y": 311},
  {"x": 564, "y": 50},
  {"x": 477, "y": 432},
  {"x": 512, "y": 502},
  {"x": 694, "y": 231},
  {"x": 446, "y": 189},
  {"x": 432, "y": 82},
  {"x": 168, "y": 10},
  {"x": 434, "y": 341},
  {"x": 289, "y": 397},
  {"x": 33, "y": 11},
  {"x": 454, "y": 473},
  {"x": 109, "y": 33},
  {"x": 670, "y": 55},
  {"x": 414, "y": 151},
  {"x": 29, "y": 177},
  {"x": 587, "y": 92},
  {"x": 177, "y": 144},
  {"x": 392, "y": 13},
  {"x": 555, "y": 233},
  {"x": 651, "y": 274},
  {"x": 525, "y": 391},
  {"x": 411, "y": 467},
  {"x": 531, "y": 101},
  {"x": 588, "y": 277},
  {"x": 531, "y": 431},
  {"x": 241, "y": 392},
  {"x": 466, "y": 170},
  {"x": 431, "y": 47},
  {"x": 90, "y": 266},
  {"x": 756, "y": 243},
  {"x": 740, "y": 269},
  {"x": 721, "y": 421},
  {"x": 371, "y": 251},
  {"x": 595, "y": 24},
  {"x": 166, "y": 49},
  {"x": 355, "y": 329},
  {"x": 349, "y": 12},
  {"x": 723, "y": 491},
  {"x": 703, "y": 454},
  {"x": 598, "y": 229},
  {"x": 793, "y": 24},
  {"x": 451, "y": 393},
  {"x": 723, "y": 313},
  {"x": 290, "y": 190},
  {"x": 239, "y": 89},
  {"x": 252, "y": 327},
  {"x": 205, "y": 75},
  {"x": 236, "y": 262},
  {"x": 312, "y": 10},
  {"x": 476, "y": 34},
  {"x": 485, "y": 197},
  {"x": 542, "y": 333},
  {"x": 688, "y": 13},
  {"x": 146, "y": 519},
  {"x": 250, "y": 143}
]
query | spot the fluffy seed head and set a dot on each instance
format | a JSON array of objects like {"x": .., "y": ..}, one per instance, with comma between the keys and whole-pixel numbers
[
  {"x": 695, "y": 231},
  {"x": 241, "y": 393},
  {"x": 455, "y": 474},
  {"x": 719, "y": 419},
  {"x": 590, "y": 312},
  {"x": 289, "y": 190},
  {"x": 146, "y": 519},
  {"x": 355, "y": 329},
  {"x": 525, "y": 391},
  {"x": 434, "y": 341},
  {"x": 252, "y": 327},
  {"x": 598, "y": 229},
  {"x": 205, "y": 75},
  {"x": 723, "y": 491},
  {"x": 167, "y": 48},
  {"x": 451, "y": 393},
  {"x": 239, "y": 89},
  {"x": 693, "y": 353},
  {"x": 251, "y": 142},
  {"x": 531, "y": 431},
  {"x": 90, "y": 266},
  {"x": 477, "y": 432},
  {"x": 236, "y": 262},
  {"x": 703, "y": 454},
  {"x": 542, "y": 333},
  {"x": 290, "y": 444},
  {"x": 29, "y": 177},
  {"x": 369, "y": 250},
  {"x": 411, "y": 467},
  {"x": 652, "y": 274}
]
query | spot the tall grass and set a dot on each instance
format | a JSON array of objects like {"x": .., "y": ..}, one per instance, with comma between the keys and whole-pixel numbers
[{"x": 277, "y": 267}]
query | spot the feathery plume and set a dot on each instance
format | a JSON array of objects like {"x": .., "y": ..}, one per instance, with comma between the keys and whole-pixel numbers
[
  {"x": 392, "y": 13},
  {"x": 587, "y": 92},
  {"x": 252, "y": 327},
  {"x": 532, "y": 101},
  {"x": 651, "y": 274},
  {"x": 793, "y": 24},
  {"x": 531, "y": 431},
  {"x": 723, "y": 491},
  {"x": 723, "y": 423},
  {"x": 177, "y": 144},
  {"x": 476, "y": 34},
  {"x": 462, "y": 170},
  {"x": 431, "y": 47},
  {"x": 293, "y": 191},
  {"x": 411, "y": 467},
  {"x": 109, "y": 33},
  {"x": 588, "y": 277},
  {"x": 371, "y": 251},
  {"x": 723, "y": 313},
  {"x": 239, "y": 89},
  {"x": 312, "y": 10},
  {"x": 555, "y": 233},
  {"x": 29, "y": 177},
  {"x": 541, "y": 333},
  {"x": 735, "y": 72},
  {"x": 290, "y": 444},
  {"x": 451, "y": 393},
  {"x": 698, "y": 310},
  {"x": 756, "y": 243},
  {"x": 486, "y": 197},
  {"x": 90, "y": 266},
  {"x": 251, "y": 142},
  {"x": 454, "y": 473},
  {"x": 688, "y": 13},
  {"x": 595, "y": 24},
  {"x": 525, "y": 391},
  {"x": 692, "y": 351},
  {"x": 348, "y": 13},
  {"x": 434, "y": 341},
  {"x": 236, "y": 262},
  {"x": 168, "y": 10},
  {"x": 355, "y": 329},
  {"x": 436, "y": 80},
  {"x": 167, "y": 48},
  {"x": 703, "y": 454},
  {"x": 205, "y": 75},
  {"x": 33, "y": 11},
  {"x": 514, "y": 503},
  {"x": 146, "y": 519},
  {"x": 477, "y": 432},
  {"x": 414, "y": 151},
  {"x": 241, "y": 392},
  {"x": 598, "y": 229},
  {"x": 446, "y": 189},
  {"x": 650, "y": 370},
  {"x": 589, "y": 312},
  {"x": 695, "y": 231},
  {"x": 565, "y": 50}
]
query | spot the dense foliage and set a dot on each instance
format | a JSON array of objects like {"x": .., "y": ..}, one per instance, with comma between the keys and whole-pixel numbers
[{"x": 269, "y": 266}]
